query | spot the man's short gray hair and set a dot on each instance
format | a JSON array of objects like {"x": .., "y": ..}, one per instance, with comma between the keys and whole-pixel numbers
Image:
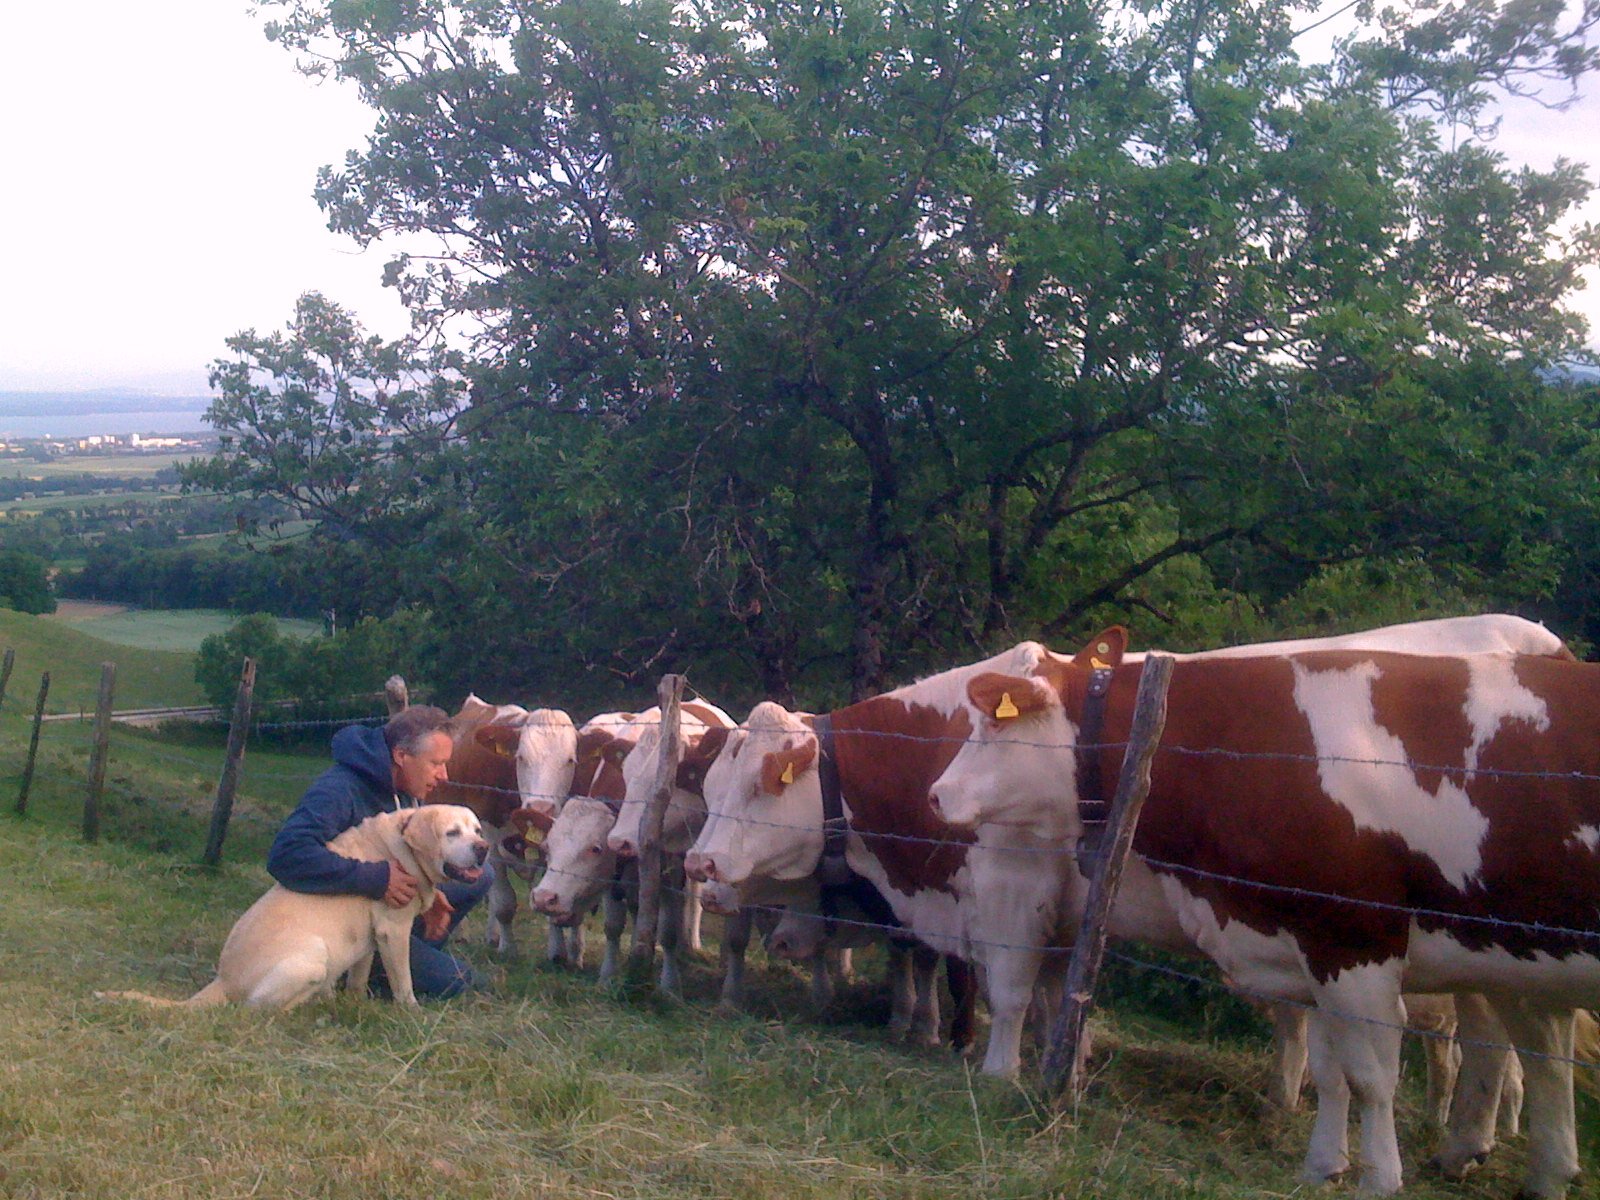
[{"x": 410, "y": 728}]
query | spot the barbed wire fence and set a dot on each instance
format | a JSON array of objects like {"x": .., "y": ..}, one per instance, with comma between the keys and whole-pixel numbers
[{"x": 103, "y": 783}]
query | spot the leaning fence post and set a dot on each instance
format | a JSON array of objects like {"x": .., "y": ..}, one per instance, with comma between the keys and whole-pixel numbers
[
  {"x": 395, "y": 695},
  {"x": 642, "y": 956},
  {"x": 5, "y": 671},
  {"x": 33, "y": 746},
  {"x": 228, "y": 784},
  {"x": 1064, "y": 1062},
  {"x": 102, "y": 750}
]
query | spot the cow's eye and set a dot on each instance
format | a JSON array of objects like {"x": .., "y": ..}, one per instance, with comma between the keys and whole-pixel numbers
[{"x": 595, "y": 850}]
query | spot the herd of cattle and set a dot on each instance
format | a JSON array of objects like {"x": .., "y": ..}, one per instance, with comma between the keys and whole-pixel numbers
[{"x": 1335, "y": 823}]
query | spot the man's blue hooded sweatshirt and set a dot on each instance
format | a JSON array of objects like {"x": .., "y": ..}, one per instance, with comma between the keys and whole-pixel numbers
[{"x": 360, "y": 784}]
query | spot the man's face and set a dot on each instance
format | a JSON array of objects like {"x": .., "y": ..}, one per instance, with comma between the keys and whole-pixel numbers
[{"x": 418, "y": 774}]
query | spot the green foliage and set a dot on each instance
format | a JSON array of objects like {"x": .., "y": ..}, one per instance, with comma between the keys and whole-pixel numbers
[
  {"x": 355, "y": 661},
  {"x": 820, "y": 347},
  {"x": 23, "y": 583}
]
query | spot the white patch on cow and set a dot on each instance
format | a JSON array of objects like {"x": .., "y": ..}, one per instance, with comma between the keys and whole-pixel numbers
[
  {"x": 1348, "y": 740},
  {"x": 1588, "y": 836},
  {"x": 1495, "y": 697}
]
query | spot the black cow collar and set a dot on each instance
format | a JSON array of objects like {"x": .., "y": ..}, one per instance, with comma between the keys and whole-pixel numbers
[{"x": 832, "y": 869}]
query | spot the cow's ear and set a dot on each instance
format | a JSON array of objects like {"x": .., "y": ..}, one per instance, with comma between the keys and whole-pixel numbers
[
  {"x": 616, "y": 750},
  {"x": 698, "y": 758},
  {"x": 1105, "y": 651},
  {"x": 592, "y": 744},
  {"x": 501, "y": 739},
  {"x": 780, "y": 768},
  {"x": 1006, "y": 697}
]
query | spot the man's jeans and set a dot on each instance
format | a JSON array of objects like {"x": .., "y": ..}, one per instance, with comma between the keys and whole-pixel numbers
[{"x": 436, "y": 975}]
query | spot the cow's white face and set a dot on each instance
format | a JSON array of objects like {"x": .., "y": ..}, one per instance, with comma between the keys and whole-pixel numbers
[
  {"x": 686, "y": 811},
  {"x": 580, "y": 864},
  {"x": 1018, "y": 767},
  {"x": 546, "y": 755},
  {"x": 763, "y": 802}
]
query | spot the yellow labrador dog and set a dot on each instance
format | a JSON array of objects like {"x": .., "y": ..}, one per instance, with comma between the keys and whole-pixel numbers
[{"x": 291, "y": 946}]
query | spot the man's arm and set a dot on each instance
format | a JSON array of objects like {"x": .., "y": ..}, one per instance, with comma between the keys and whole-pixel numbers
[{"x": 300, "y": 859}]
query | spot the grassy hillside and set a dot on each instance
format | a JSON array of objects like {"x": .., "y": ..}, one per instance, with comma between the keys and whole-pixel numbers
[
  {"x": 145, "y": 678},
  {"x": 163, "y": 629},
  {"x": 545, "y": 1086}
]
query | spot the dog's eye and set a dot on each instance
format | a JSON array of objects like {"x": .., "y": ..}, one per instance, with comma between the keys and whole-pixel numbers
[{"x": 454, "y": 833}]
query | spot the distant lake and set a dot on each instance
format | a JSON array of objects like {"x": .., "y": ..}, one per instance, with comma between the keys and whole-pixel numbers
[{"x": 77, "y": 425}]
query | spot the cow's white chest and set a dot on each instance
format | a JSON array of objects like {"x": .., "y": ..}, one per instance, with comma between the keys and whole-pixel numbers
[{"x": 1365, "y": 768}]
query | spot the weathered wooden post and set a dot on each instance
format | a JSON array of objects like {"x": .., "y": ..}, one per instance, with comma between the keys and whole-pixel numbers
[
  {"x": 102, "y": 751},
  {"x": 395, "y": 695},
  {"x": 228, "y": 784},
  {"x": 33, "y": 746},
  {"x": 669, "y": 694},
  {"x": 5, "y": 671},
  {"x": 1063, "y": 1064}
]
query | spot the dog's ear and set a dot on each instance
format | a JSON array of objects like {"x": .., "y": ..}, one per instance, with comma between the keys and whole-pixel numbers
[
  {"x": 405, "y": 821},
  {"x": 422, "y": 836}
]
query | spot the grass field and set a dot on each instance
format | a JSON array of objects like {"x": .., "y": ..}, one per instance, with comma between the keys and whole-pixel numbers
[
  {"x": 145, "y": 678},
  {"x": 123, "y": 466},
  {"x": 545, "y": 1086},
  {"x": 179, "y": 630}
]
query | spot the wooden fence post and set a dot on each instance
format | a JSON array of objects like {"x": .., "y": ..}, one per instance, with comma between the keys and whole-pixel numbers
[
  {"x": 5, "y": 671},
  {"x": 102, "y": 751},
  {"x": 1064, "y": 1062},
  {"x": 395, "y": 695},
  {"x": 228, "y": 784},
  {"x": 669, "y": 694},
  {"x": 33, "y": 746}
]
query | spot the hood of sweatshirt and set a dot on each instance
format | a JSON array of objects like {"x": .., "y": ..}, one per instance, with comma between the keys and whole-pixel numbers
[{"x": 362, "y": 749}]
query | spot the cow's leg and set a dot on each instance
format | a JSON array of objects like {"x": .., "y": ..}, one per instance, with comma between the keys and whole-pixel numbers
[
  {"x": 1511, "y": 1095},
  {"x": 821, "y": 980},
  {"x": 1485, "y": 1061},
  {"x": 1010, "y": 975},
  {"x": 735, "y": 944},
  {"x": 1288, "y": 1056},
  {"x": 1329, "y": 1153},
  {"x": 502, "y": 896},
  {"x": 616, "y": 920},
  {"x": 1545, "y": 1038},
  {"x": 1365, "y": 1023},
  {"x": 924, "y": 1029},
  {"x": 963, "y": 980},
  {"x": 669, "y": 927},
  {"x": 902, "y": 987},
  {"x": 691, "y": 915}
]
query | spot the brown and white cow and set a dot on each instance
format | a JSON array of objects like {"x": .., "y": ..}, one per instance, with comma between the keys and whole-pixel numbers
[
  {"x": 505, "y": 764},
  {"x": 1334, "y": 826},
  {"x": 698, "y": 721},
  {"x": 960, "y": 892},
  {"x": 953, "y": 891}
]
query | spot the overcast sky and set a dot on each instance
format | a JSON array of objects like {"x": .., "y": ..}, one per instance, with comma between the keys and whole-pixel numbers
[{"x": 159, "y": 160}]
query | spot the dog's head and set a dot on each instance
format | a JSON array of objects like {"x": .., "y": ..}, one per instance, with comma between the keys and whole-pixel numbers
[{"x": 447, "y": 840}]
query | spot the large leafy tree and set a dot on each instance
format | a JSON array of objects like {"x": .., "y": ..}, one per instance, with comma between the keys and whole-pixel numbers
[{"x": 815, "y": 340}]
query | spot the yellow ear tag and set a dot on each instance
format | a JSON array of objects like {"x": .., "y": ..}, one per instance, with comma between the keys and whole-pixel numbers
[
  {"x": 500, "y": 749},
  {"x": 1098, "y": 665},
  {"x": 1005, "y": 710},
  {"x": 788, "y": 773}
]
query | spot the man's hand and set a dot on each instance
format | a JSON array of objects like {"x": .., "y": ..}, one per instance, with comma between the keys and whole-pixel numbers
[
  {"x": 402, "y": 889},
  {"x": 436, "y": 921}
]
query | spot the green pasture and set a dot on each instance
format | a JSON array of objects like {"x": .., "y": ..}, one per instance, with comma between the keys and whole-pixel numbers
[
  {"x": 145, "y": 678},
  {"x": 125, "y": 466},
  {"x": 174, "y": 630},
  {"x": 546, "y": 1085},
  {"x": 40, "y": 505}
]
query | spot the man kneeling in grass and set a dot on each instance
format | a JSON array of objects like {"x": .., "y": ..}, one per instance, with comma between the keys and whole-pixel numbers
[{"x": 377, "y": 770}]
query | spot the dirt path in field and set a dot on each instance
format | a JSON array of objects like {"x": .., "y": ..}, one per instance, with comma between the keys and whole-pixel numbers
[{"x": 86, "y": 610}]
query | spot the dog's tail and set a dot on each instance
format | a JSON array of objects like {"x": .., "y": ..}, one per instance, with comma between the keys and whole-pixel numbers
[{"x": 212, "y": 993}]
